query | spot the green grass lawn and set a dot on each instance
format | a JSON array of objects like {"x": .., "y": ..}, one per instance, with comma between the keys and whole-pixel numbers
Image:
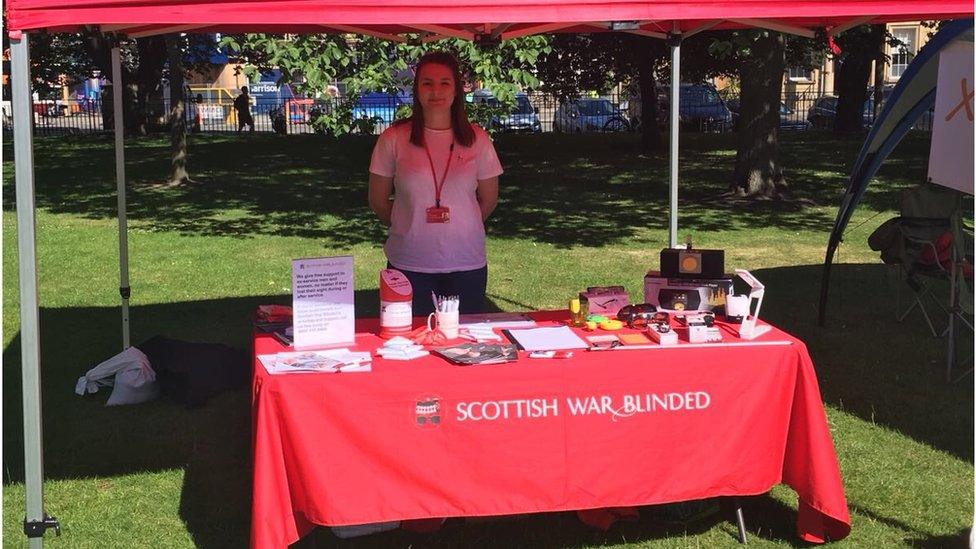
[{"x": 574, "y": 211}]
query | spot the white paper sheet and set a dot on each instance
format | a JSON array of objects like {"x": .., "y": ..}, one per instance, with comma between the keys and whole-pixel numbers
[{"x": 548, "y": 339}]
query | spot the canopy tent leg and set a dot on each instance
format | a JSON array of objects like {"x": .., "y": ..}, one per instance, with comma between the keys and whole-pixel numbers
[
  {"x": 740, "y": 520},
  {"x": 124, "y": 290},
  {"x": 30, "y": 351},
  {"x": 674, "y": 40}
]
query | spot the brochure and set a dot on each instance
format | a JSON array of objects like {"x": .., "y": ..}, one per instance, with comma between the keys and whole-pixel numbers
[
  {"x": 467, "y": 354},
  {"x": 332, "y": 361}
]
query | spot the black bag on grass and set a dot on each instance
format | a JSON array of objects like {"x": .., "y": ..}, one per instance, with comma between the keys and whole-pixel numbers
[{"x": 192, "y": 373}]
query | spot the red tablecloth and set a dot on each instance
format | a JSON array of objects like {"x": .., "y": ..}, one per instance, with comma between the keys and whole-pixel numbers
[{"x": 603, "y": 429}]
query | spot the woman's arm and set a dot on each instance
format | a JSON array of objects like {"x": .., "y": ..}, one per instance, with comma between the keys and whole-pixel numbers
[
  {"x": 487, "y": 196},
  {"x": 380, "y": 189}
]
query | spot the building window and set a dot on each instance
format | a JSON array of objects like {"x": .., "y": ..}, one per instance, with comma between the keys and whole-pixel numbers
[
  {"x": 903, "y": 52},
  {"x": 799, "y": 74}
]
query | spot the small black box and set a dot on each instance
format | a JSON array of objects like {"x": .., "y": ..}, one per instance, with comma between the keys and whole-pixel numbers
[{"x": 692, "y": 263}]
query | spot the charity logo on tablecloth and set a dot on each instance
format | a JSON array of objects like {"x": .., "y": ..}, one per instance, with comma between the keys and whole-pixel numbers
[{"x": 427, "y": 412}]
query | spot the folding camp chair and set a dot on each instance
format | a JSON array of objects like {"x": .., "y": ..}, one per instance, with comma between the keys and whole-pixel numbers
[
  {"x": 960, "y": 291},
  {"x": 930, "y": 248}
]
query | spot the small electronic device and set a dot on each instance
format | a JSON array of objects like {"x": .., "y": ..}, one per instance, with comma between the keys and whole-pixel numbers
[
  {"x": 675, "y": 295},
  {"x": 702, "y": 319},
  {"x": 663, "y": 334},
  {"x": 692, "y": 263},
  {"x": 701, "y": 327},
  {"x": 704, "y": 334}
]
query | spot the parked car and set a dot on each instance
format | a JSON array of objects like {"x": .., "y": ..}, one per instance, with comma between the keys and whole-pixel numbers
[
  {"x": 700, "y": 108},
  {"x": 823, "y": 112},
  {"x": 589, "y": 115},
  {"x": 789, "y": 120},
  {"x": 50, "y": 107},
  {"x": 380, "y": 106},
  {"x": 522, "y": 118}
]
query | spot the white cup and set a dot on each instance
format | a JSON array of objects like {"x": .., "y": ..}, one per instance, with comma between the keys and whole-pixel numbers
[
  {"x": 737, "y": 306},
  {"x": 447, "y": 322}
]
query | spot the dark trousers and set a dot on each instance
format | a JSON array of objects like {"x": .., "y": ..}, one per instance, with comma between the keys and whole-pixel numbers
[
  {"x": 469, "y": 286},
  {"x": 244, "y": 119}
]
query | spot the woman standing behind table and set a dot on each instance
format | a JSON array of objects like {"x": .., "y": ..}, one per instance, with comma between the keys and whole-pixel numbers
[{"x": 444, "y": 171}]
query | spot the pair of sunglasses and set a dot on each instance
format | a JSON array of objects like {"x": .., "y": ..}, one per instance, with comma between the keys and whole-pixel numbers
[{"x": 639, "y": 316}]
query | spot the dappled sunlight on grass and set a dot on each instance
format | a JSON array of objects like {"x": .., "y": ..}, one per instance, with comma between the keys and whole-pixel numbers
[
  {"x": 575, "y": 211},
  {"x": 313, "y": 187}
]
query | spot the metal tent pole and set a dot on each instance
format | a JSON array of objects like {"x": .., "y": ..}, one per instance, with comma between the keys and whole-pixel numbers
[
  {"x": 674, "y": 40},
  {"x": 35, "y": 521},
  {"x": 124, "y": 290}
]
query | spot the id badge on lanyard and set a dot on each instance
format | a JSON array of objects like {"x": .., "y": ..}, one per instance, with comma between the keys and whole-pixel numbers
[{"x": 438, "y": 213}]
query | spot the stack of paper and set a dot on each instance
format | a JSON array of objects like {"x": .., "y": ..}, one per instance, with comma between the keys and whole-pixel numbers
[
  {"x": 496, "y": 320},
  {"x": 331, "y": 361},
  {"x": 547, "y": 339}
]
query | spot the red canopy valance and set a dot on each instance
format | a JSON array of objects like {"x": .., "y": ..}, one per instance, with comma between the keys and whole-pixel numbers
[{"x": 466, "y": 18}]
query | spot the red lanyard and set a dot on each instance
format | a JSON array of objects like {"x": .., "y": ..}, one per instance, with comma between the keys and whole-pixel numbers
[{"x": 433, "y": 174}]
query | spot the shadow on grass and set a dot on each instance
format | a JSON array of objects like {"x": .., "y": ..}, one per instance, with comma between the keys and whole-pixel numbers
[
  {"x": 84, "y": 438},
  {"x": 556, "y": 530},
  {"x": 765, "y": 517},
  {"x": 867, "y": 364},
  {"x": 959, "y": 540},
  {"x": 560, "y": 189}
]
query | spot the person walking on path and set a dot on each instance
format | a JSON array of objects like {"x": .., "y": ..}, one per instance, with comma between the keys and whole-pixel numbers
[{"x": 243, "y": 107}]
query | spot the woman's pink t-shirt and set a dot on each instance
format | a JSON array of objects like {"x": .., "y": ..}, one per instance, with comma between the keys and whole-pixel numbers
[{"x": 413, "y": 243}]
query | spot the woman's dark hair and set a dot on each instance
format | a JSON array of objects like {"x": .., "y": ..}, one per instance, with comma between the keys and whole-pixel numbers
[{"x": 463, "y": 132}]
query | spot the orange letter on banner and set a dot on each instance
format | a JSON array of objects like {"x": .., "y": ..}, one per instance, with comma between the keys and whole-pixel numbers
[{"x": 967, "y": 99}]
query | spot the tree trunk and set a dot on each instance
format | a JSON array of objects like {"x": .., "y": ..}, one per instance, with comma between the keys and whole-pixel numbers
[
  {"x": 879, "y": 77},
  {"x": 645, "y": 56},
  {"x": 177, "y": 118},
  {"x": 136, "y": 85},
  {"x": 152, "y": 56},
  {"x": 757, "y": 168},
  {"x": 852, "y": 81}
]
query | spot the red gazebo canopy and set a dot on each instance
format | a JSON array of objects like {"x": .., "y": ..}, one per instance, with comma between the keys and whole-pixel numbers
[{"x": 468, "y": 18}]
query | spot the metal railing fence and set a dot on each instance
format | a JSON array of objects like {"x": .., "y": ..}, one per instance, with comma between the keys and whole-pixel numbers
[{"x": 605, "y": 113}]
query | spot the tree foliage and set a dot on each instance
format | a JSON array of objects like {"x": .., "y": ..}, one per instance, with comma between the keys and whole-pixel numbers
[
  {"x": 598, "y": 62},
  {"x": 56, "y": 58},
  {"x": 69, "y": 58},
  {"x": 312, "y": 63}
]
